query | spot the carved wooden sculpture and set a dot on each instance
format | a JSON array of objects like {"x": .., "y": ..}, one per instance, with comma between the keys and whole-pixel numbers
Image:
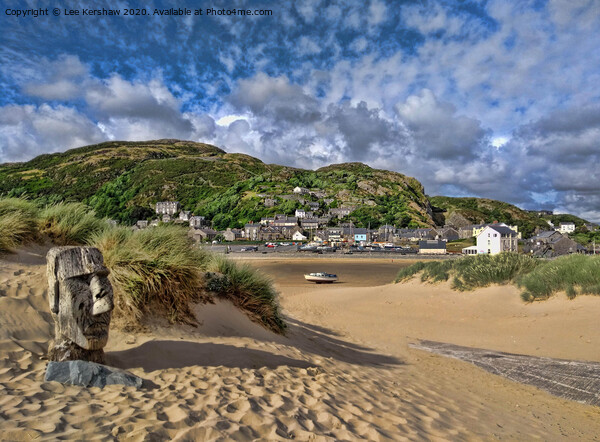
[{"x": 81, "y": 301}]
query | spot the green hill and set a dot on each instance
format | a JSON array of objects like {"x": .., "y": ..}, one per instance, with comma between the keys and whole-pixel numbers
[
  {"x": 482, "y": 210},
  {"x": 123, "y": 181}
]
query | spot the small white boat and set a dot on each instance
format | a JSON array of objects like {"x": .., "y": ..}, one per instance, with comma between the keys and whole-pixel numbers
[{"x": 321, "y": 277}]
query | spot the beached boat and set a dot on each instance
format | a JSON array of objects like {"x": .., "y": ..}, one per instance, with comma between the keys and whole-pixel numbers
[{"x": 321, "y": 277}]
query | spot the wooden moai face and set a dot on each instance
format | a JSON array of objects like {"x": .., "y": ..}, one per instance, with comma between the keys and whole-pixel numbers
[{"x": 80, "y": 296}]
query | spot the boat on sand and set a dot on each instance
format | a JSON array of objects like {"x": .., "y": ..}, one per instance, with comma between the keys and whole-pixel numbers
[{"x": 320, "y": 277}]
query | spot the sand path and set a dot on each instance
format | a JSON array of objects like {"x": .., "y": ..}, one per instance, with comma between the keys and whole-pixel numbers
[{"x": 343, "y": 372}]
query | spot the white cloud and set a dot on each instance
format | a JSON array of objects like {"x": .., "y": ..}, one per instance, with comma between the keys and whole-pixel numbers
[
  {"x": 377, "y": 13},
  {"x": 61, "y": 79},
  {"x": 359, "y": 44},
  {"x": 27, "y": 131},
  {"x": 307, "y": 46}
]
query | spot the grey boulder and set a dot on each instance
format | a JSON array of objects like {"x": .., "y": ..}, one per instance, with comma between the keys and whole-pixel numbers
[{"x": 90, "y": 374}]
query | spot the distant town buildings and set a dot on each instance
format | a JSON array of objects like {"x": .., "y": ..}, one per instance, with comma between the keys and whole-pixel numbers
[
  {"x": 197, "y": 221},
  {"x": 550, "y": 244},
  {"x": 167, "y": 207},
  {"x": 567, "y": 227},
  {"x": 317, "y": 222},
  {"x": 432, "y": 247}
]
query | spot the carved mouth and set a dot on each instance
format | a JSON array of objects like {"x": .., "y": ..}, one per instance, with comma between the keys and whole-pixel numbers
[{"x": 96, "y": 331}]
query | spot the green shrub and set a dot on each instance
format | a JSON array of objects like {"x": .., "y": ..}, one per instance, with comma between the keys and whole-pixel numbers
[
  {"x": 18, "y": 223},
  {"x": 70, "y": 223},
  {"x": 248, "y": 289}
]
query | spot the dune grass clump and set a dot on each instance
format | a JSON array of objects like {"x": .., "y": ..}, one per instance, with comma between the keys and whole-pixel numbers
[
  {"x": 248, "y": 289},
  {"x": 18, "y": 223},
  {"x": 483, "y": 270},
  {"x": 432, "y": 271},
  {"x": 437, "y": 271},
  {"x": 472, "y": 271},
  {"x": 408, "y": 272},
  {"x": 573, "y": 274},
  {"x": 70, "y": 223},
  {"x": 152, "y": 269}
]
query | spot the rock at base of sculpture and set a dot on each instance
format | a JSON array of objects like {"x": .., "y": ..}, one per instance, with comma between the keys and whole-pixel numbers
[{"x": 90, "y": 374}]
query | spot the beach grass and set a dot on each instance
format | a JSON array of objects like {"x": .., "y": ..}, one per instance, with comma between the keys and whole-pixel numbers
[
  {"x": 408, "y": 272},
  {"x": 159, "y": 270},
  {"x": 437, "y": 271},
  {"x": 471, "y": 272},
  {"x": 153, "y": 270},
  {"x": 248, "y": 289},
  {"x": 70, "y": 223},
  {"x": 483, "y": 270},
  {"x": 573, "y": 274},
  {"x": 539, "y": 279},
  {"x": 18, "y": 223}
]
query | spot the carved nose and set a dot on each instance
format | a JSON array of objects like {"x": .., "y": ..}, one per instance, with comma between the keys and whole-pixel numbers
[{"x": 102, "y": 304}]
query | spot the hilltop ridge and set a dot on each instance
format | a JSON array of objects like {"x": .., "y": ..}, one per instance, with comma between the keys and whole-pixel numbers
[{"x": 123, "y": 180}]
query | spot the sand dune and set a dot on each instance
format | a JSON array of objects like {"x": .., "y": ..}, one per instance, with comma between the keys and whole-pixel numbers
[{"x": 343, "y": 372}]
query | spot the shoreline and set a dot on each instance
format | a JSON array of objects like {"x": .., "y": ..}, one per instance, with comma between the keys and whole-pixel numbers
[{"x": 334, "y": 256}]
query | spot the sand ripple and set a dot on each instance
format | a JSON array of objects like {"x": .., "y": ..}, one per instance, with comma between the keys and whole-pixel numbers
[{"x": 245, "y": 384}]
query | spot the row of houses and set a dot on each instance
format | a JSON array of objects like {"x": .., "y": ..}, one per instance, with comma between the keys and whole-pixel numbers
[
  {"x": 550, "y": 244},
  {"x": 495, "y": 239},
  {"x": 490, "y": 238},
  {"x": 569, "y": 227}
]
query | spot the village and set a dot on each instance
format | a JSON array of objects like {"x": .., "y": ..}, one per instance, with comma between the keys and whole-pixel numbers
[{"x": 316, "y": 230}]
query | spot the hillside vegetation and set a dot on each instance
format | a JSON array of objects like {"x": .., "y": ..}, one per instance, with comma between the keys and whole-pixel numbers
[
  {"x": 123, "y": 181},
  {"x": 483, "y": 210}
]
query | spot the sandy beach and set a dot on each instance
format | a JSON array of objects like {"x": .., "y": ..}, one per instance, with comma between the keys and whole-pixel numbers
[{"x": 344, "y": 371}]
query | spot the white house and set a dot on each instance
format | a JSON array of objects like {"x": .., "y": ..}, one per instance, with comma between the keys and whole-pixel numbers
[
  {"x": 298, "y": 236},
  {"x": 301, "y": 190},
  {"x": 301, "y": 213},
  {"x": 167, "y": 207},
  {"x": 566, "y": 227},
  {"x": 496, "y": 239},
  {"x": 197, "y": 221}
]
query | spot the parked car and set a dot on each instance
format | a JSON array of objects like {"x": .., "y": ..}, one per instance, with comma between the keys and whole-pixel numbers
[{"x": 249, "y": 249}]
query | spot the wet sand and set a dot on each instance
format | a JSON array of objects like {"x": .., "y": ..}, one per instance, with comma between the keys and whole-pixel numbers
[{"x": 353, "y": 272}]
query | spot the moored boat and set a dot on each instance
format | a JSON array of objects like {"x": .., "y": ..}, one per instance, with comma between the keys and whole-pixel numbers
[{"x": 320, "y": 277}]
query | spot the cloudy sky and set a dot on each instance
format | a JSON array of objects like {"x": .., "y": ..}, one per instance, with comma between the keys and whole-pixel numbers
[{"x": 497, "y": 98}]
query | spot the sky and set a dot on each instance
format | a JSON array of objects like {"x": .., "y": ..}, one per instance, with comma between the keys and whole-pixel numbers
[{"x": 497, "y": 99}]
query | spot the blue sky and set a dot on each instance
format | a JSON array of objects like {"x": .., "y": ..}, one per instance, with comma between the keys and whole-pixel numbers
[{"x": 496, "y": 99}]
